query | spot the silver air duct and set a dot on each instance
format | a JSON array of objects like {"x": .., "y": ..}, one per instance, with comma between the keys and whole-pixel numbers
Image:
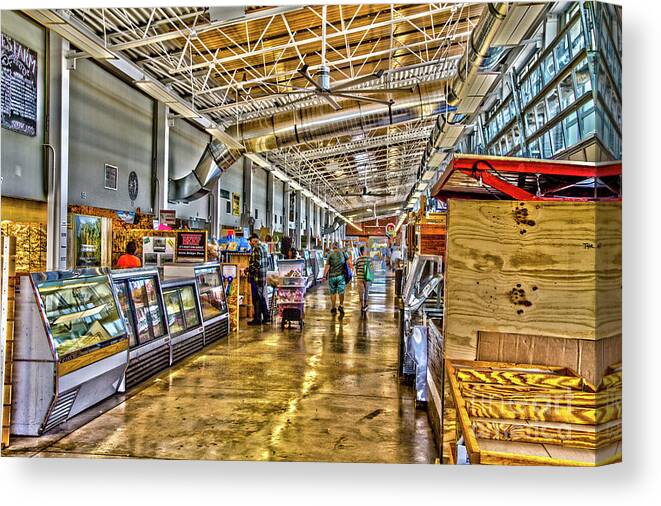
[
  {"x": 480, "y": 42},
  {"x": 315, "y": 123}
]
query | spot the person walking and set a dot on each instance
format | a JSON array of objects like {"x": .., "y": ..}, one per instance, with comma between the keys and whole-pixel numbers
[
  {"x": 256, "y": 272},
  {"x": 334, "y": 272},
  {"x": 364, "y": 277}
]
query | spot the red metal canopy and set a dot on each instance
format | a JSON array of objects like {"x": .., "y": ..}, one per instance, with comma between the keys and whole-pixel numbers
[{"x": 477, "y": 176}]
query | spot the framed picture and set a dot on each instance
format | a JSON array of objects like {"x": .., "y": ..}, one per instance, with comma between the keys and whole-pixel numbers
[{"x": 110, "y": 177}]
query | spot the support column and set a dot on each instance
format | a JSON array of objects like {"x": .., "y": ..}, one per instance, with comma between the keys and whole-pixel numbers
[
  {"x": 216, "y": 215},
  {"x": 161, "y": 162},
  {"x": 270, "y": 207},
  {"x": 297, "y": 220},
  {"x": 247, "y": 193},
  {"x": 286, "y": 192},
  {"x": 308, "y": 222},
  {"x": 57, "y": 145}
]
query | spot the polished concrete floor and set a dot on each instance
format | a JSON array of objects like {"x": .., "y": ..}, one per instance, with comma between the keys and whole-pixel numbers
[{"x": 329, "y": 393}]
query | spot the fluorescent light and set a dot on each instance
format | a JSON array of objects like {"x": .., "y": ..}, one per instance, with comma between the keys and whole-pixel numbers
[
  {"x": 280, "y": 175},
  {"x": 295, "y": 185},
  {"x": 259, "y": 160},
  {"x": 421, "y": 186},
  {"x": 228, "y": 140},
  {"x": 184, "y": 110},
  {"x": 428, "y": 175}
]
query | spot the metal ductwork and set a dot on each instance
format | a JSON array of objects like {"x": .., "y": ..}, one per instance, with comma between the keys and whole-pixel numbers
[
  {"x": 299, "y": 126},
  {"x": 480, "y": 43},
  {"x": 479, "y": 56},
  {"x": 215, "y": 160}
]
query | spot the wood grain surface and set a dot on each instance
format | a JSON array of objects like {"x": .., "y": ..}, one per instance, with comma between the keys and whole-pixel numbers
[{"x": 544, "y": 268}]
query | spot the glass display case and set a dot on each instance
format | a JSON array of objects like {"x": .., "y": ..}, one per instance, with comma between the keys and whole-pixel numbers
[
  {"x": 70, "y": 347},
  {"x": 141, "y": 302},
  {"x": 184, "y": 317},
  {"x": 211, "y": 292}
]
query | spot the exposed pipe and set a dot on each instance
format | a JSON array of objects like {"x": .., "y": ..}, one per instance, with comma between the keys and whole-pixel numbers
[{"x": 315, "y": 123}]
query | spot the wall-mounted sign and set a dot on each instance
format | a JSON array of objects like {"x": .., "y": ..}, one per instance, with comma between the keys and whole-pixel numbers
[
  {"x": 87, "y": 237},
  {"x": 110, "y": 177},
  {"x": 157, "y": 250},
  {"x": 236, "y": 204},
  {"x": 167, "y": 217},
  {"x": 19, "y": 87},
  {"x": 191, "y": 246}
]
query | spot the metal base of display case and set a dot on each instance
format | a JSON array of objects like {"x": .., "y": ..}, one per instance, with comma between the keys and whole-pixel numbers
[
  {"x": 187, "y": 344},
  {"x": 146, "y": 361},
  {"x": 216, "y": 329}
]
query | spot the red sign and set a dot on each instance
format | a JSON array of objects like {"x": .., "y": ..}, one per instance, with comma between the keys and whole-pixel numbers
[{"x": 191, "y": 246}]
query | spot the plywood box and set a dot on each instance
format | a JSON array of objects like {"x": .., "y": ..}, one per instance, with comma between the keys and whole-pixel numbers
[{"x": 547, "y": 269}]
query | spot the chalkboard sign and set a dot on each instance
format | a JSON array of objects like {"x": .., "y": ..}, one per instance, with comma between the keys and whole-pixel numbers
[{"x": 19, "y": 87}]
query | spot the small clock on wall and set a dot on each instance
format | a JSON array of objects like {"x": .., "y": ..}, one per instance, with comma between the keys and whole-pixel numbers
[{"x": 133, "y": 186}]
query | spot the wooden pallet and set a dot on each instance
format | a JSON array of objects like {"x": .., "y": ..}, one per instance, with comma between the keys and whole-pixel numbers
[{"x": 522, "y": 414}]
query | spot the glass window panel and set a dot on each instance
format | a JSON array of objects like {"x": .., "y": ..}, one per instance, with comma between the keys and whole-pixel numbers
[
  {"x": 557, "y": 138},
  {"x": 503, "y": 146},
  {"x": 533, "y": 149},
  {"x": 516, "y": 136},
  {"x": 545, "y": 143},
  {"x": 190, "y": 306},
  {"x": 510, "y": 141},
  {"x": 566, "y": 92},
  {"x": 531, "y": 124},
  {"x": 571, "y": 129},
  {"x": 587, "y": 116},
  {"x": 155, "y": 309},
  {"x": 582, "y": 78},
  {"x": 173, "y": 308},
  {"x": 211, "y": 292},
  {"x": 141, "y": 305},
  {"x": 552, "y": 103},
  {"x": 535, "y": 82},
  {"x": 548, "y": 68},
  {"x": 122, "y": 296},
  {"x": 576, "y": 37},
  {"x": 525, "y": 93},
  {"x": 562, "y": 55},
  {"x": 540, "y": 113},
  {"x": 81, "y": 313}
]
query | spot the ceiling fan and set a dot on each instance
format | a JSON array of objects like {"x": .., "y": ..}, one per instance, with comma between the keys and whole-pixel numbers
[
  {"x": 323, "y": 88},
  {"x": 366, "y": 193}
]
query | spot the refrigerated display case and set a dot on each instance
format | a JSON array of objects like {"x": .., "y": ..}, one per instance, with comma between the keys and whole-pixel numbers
[
  {"x": 215, "y": 315},
  {"x": 141, "y": 302},
  {"x": 319, "y": 263},
  {"x": 308, "y": 269},
  {"x": 182, "y": 306},
  {"x": 70, "y": 347}
]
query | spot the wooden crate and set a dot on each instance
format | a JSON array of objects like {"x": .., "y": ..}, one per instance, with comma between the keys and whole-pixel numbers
[
  {"x": 546, "y": 269},
  {"x": 522, "y": 414}
]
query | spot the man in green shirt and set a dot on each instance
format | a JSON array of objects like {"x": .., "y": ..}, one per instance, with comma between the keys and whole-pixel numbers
[{"x": 334, "y": 273}]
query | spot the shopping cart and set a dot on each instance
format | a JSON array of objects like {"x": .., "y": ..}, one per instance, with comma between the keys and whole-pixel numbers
[{"x": 290, "y": 293}]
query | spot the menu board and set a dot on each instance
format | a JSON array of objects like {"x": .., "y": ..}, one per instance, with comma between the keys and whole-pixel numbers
[
  {"x": 191, "y": 246},
  {"x": 19, "y": 87}
]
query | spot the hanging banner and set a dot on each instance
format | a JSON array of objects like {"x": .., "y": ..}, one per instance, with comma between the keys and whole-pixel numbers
[
  {"x": 19, "y": 87},
  {"x": 191, "y": 246}
]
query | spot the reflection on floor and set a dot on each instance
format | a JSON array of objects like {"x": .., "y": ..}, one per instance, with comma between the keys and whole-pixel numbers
[{"x": 329, "y": 393}]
